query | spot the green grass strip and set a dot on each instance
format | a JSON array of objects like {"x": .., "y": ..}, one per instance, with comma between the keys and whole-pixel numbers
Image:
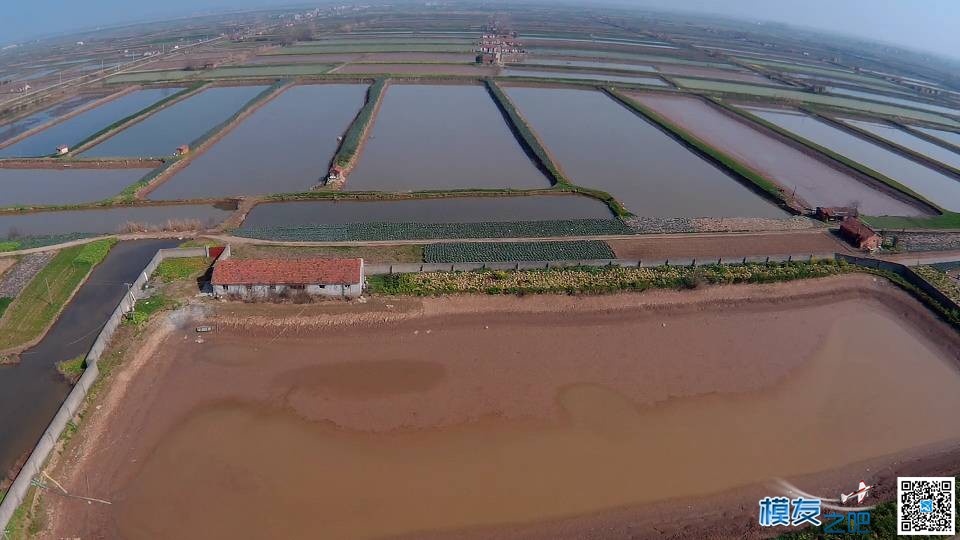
[
  {"x": 527, "y": 137},
  {"x": 4, "y": 304},
  {"x": 42, "y": 299},
  {"x": 354, "y": 135},
  {"x": 947, "y": 220}
]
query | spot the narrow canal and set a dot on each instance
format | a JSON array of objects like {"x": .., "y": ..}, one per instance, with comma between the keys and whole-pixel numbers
[{"x": 32, "y": 390}]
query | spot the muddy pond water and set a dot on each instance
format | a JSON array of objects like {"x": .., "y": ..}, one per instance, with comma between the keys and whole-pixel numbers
[
  {"x": 12, "y": 129},
  {"x": 910, "y": 141},
  {"x": 108, "y": 221},
  {"x": 442, "y": 210},
  {"x": 468, "y": 418},
  {"x": 441, "y": 137},
  {"x": 796, "y": 171},
  {"x": 81, "y": 126},
  {"x": 601, "y": 144},
  {"x": 935, "y": 186},
  {"x": 63, "y": 186},
  {"x": 284, "y": 146},
  {"x": 181, "y": 123}
]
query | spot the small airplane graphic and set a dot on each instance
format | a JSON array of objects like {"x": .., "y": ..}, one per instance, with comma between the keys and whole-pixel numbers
[{"x": 860, "y": 493}]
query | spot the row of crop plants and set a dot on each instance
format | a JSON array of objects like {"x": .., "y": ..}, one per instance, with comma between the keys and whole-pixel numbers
[
  {"x": 347, "y": 152},
  {"x": 455, "y": 252},
  {"x": 431, "y": 231}
]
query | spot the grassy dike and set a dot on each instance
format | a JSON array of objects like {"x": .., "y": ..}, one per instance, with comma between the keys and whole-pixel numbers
[
  {"x": 133, "y": 118},
  {"x": 528, "y": 139},
  {"x": 759, "y": 182},
  {"x": 39, "y": 304},
  {"x": 353, "y": 139}
]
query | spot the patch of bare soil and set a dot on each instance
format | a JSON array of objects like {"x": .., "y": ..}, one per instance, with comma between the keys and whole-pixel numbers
[
  {"x": 726, "y": 245},
  {"x": 660, "y": 414}
]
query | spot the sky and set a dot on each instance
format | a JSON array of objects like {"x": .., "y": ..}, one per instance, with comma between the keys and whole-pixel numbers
[{"x": 930, "y": 25}]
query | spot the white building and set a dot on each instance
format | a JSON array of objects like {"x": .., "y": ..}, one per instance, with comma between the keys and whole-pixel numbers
[{"x": 258, "y": 278}]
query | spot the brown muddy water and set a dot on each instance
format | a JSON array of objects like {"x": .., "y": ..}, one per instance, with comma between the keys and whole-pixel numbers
[
  {"x": 909, "y": 141},
  {"x": 815, "y": 182},
  {"x": 441, "y": 137},
  {"x": 465, "y": 419},
  {"x": 441, "y": 210},
  {"x": 935, "y": 186},
  {"x": 601, "y": 144},
  {"x": 63, "y": 186},
  {"x": 284, "y": 146}
]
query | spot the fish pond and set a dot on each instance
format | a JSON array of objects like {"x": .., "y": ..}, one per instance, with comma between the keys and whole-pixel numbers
[
  {"x": 284, "y": 146},
  {"x": 27, "y": 187},
  {"x": 580, "y": 75},
  {"x": 441, "y": 137},
  {"x": 17, "y": 127},
  {"x": 908, "y": 140},
  {"x": 162, "y": 132},
  {"x": 935, "y": 186},
  {"x": 85, "y": 124},
  {"x": 601, "y": 144},
  {"x": 108, "y": 220}
]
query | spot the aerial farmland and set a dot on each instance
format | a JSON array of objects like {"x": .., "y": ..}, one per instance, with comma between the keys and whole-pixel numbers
[{"x": 448, "y": 272}]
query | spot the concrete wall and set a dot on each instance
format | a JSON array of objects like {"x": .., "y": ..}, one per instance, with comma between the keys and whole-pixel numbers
[
  {"x": 906, "y": 273},
  {"x": 34, "y": 464},
  {"x": 262, "y": 291}
]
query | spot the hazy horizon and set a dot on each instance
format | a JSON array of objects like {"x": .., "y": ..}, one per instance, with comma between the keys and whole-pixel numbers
[{"x": 922, "y": 25}]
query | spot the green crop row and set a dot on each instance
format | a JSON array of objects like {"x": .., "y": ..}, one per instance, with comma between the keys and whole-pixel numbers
[
  {"x": 529, "y": 140},
  {"x": 517, "y": 251},
  {"x": 30, "y": 242},
  {"x": 599, "y": 279},
  {"x": 433, "y": 231},
  {"x": 354, "y": 135},
  {"x": 91, "y": 254},
  {"x": 940, "y": 280}
]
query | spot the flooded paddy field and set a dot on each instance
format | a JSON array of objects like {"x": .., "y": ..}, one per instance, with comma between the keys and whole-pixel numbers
[
  {"x": 580, "y": 75},
  {"x": 181, "y": 123},
  {"x": 77, "y": 128},
  {"x": 12, "y": 129},
  {"x": 441, "y": 137},
  {"x": 891, "y": 99},
  {"x": 951, "y": 137},
  {"x": 600, "y": 144},
  {"x": 51, "y": 186},
  {"x": 109, "y": 220},
  {"x": 909, "y": 141},
  {"x": 798, "y": 95},
  {"x": 284, "y": 146},
  {"x": 600, "y": 54},
  {"x": 468, "y": 415},
  {"x": 413, "y": 69},
  {"x": 439, "y": 210},
  {"x": 935, "y": 186},
  {"x": 795, "y": 170}
]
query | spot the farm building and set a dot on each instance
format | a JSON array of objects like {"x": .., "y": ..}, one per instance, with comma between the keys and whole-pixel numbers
[
  {"x": 859, "y": 235},
  {"x": 182, "y": 150},
  {"x": 253, "y": 278},
  {"x": 836, "y": 213}
]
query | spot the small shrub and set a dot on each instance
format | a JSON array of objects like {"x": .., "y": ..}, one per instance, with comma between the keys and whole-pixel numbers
[{"x": 72, "y": 369}]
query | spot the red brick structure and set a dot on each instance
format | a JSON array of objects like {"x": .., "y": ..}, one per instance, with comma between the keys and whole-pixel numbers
[
  {"x": 860, "y": 235},
  {"x": 261, "y": 277}
]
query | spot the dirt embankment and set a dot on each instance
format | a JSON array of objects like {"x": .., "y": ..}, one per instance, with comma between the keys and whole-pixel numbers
[{"x": 461, "y": 414}]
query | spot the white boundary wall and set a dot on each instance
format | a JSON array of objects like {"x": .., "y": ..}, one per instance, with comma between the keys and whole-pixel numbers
[{"x": 34, "y": 464}]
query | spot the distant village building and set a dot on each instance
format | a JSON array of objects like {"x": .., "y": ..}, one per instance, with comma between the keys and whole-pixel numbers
[
  {"x": 336, "y": 173},
  {"x": 62, "y": 149},
  {"x": 499, "y": 46},
  {"x": 858, "y": 234},
  {"x": 182, "y": 150},
  {"x": 259, "y": 278}
]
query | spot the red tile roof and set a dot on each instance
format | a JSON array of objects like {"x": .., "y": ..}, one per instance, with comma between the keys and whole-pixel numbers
[
  {"x": 287, "y": 271},
  {"x": 857, "y": 229}
]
